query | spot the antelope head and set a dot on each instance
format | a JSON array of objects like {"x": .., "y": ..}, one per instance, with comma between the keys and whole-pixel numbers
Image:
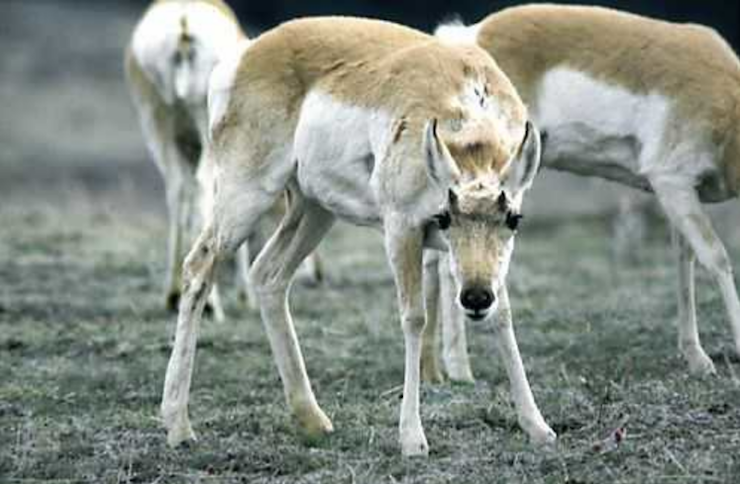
[{"x": 481, "y": 212}]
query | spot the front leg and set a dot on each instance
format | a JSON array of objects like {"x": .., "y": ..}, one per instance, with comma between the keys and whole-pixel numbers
[
  {"x": 454, "y": 337},
  {"x": 430, "y": 369},
  {"x": 404, "y": 244},
  {"x": 529, "y": 416}
]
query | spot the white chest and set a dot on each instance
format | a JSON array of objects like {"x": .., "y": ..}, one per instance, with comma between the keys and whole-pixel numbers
[{"x": 336, "y": 148}]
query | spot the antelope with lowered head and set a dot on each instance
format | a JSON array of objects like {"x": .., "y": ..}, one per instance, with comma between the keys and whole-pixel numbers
[
  {"x": 382, "y": 126},
  {"x": 169, "y": 60},
  {"x": 650, "y": 104}
]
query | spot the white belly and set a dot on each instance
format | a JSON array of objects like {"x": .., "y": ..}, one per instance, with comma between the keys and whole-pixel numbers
[
  {"x": 599, "y": 129},
  {"x": 336, "y": 154}
]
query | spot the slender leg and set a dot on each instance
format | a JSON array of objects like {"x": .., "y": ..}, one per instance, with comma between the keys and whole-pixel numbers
[
  {"x": 175, "y": 204},
  {"x": 216, "y": 306},
  {"x": 404, "y": 245},
  {"x": 244, "y": 264},
  {"x": 199, "y": 203},
  {"x": 158, "y": 123},
  {"x": 454, "y": 338},
  {"x": 430, "y": 370},
  {"x": 530, "y": 418},
  {"x": 300, "y": 232},
  {"x": 198, "y": 276},
  {"x": 223, "y": 234},
  {"x": 688, "y": 334},
  {"x": 683, "y": 208}
]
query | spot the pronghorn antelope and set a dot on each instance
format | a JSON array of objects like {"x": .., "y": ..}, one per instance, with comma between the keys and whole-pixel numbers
[
  {"x": 168, "y": 63},
  {"x": 382, "y": 126},
  {"x": 650, "y": 104}
]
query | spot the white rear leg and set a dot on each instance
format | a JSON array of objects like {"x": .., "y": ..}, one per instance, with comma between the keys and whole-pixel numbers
[
  {"x": 301, "y": 230},
  {"x": 683, "y": 208},
  {"x": 236, "y": 212},
  {"x": 688, "y": 333}
]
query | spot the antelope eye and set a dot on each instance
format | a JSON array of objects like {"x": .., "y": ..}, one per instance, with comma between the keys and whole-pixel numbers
[
  {"x": 443, "y": 220},
  {"x": 513, "y": 220}
]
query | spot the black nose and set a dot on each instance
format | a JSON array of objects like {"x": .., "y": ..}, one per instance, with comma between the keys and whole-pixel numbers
[{"x": 477, "y": 298}]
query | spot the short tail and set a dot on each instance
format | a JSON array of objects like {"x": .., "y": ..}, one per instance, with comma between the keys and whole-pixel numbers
[{"x": 455, "y": 31}]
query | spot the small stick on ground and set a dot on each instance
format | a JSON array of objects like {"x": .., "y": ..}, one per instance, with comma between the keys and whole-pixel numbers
[{"x": 613, "y": 440}]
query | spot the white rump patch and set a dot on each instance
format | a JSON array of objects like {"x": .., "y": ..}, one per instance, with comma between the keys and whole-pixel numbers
[
  {"x": 458, "y": 33},
  {"x": 156, "y": 39}
]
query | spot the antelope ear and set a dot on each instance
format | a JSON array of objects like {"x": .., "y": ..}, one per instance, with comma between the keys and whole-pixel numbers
[
  {"x": 523, "y": 168},
  {"x": 441, "y": 168}
]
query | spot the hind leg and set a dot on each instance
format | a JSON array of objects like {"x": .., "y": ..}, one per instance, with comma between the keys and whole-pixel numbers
[
  {"x": 684, "y": 210},
  {"x": 199, "y": 272},
  {"x": 301, "y": 230},
  {"x": 180, "y": 185},
  {"x": 688, "y": 334},
  {"x": 232, "y": 220}
]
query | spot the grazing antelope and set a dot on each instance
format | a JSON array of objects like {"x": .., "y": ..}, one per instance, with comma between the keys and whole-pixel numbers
[
  {"x": 168, "y": 63},
  {"x": 650, "y": 104},
  {"x": 382, "y": 126}
]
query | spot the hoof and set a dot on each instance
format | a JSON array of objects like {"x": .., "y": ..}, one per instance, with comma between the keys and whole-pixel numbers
[
  {"x": 214, "y": 314},
  {"x": 701, "y": 365},
  {"x": 415, "y": 446},
  {"x": 430, "y": 373},
  {"x": 208, "y": 310},
  {"x": 180, "y": 433},
  {"x": 314, "y": 422},
  {"x": 172, "y": 302},
  {"x": 543, "y": 436},
  {"x": 460, "y": 373}
]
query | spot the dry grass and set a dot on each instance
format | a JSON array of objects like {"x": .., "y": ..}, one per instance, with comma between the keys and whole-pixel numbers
[
  {"x": 84, "y": 344},
  {"x": 84, "y": 347}
]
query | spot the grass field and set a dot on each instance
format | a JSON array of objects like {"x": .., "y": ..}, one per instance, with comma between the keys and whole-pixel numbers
[{"x": 84, "y": 345}]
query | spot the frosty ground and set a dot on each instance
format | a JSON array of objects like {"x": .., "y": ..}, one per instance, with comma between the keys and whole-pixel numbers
[
  {"x": 84, "y": 346},
  {"x": 84, "y": 342}
]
